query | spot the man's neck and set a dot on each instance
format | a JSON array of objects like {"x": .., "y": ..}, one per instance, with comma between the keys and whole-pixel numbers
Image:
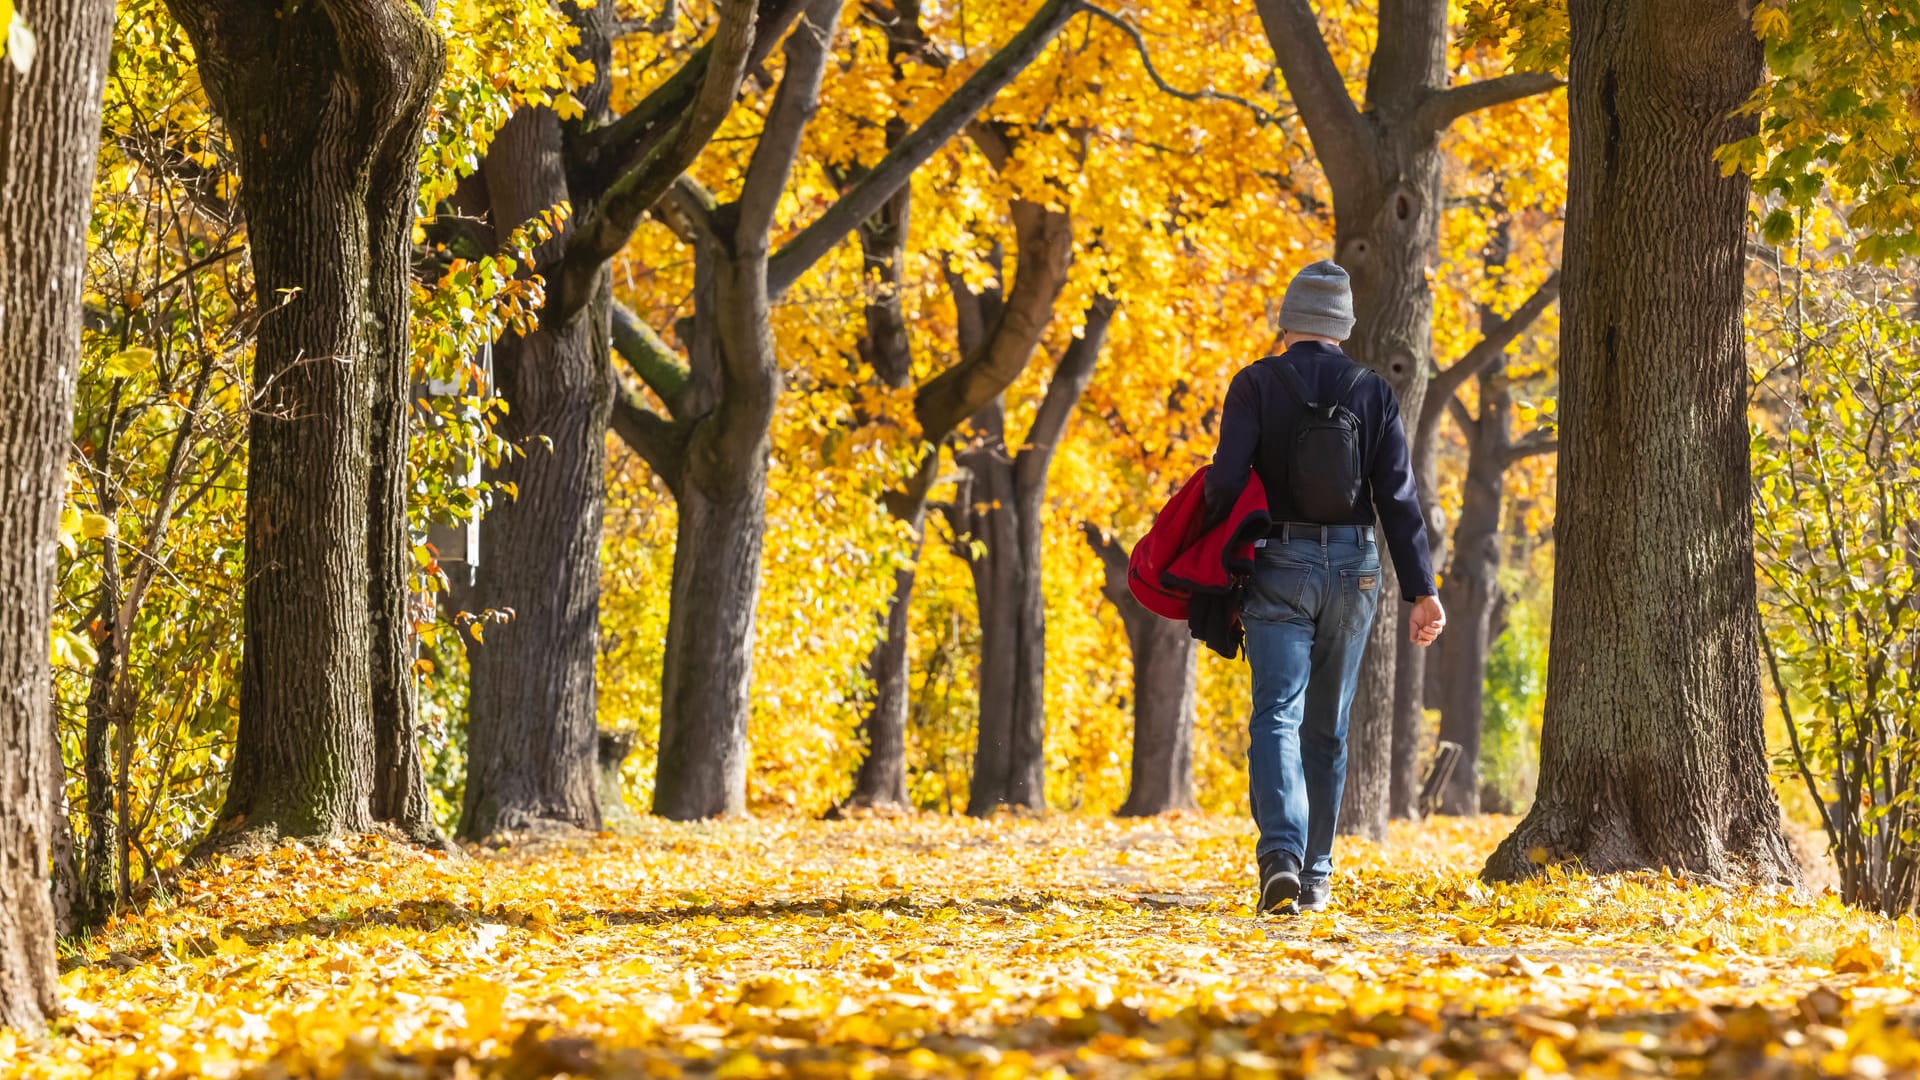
[{"x": 1290, "y": 339}]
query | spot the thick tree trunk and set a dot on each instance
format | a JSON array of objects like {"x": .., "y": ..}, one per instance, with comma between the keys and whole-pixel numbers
[
  {"x": 532, "y": 714},
  {"x": 1653, "y": 752},
  {"x": 1383, "y": 165},
  {"x": 49, "y": 132},
  {"x": 708, "y": 664},
  {"x": 1386, "y": 246},
  {"x": 707, "y": 680},
  {"x": 1003, "y": 528},
  {"x": 399, "y": 783},
  {"x": 1164, "y": 670},
  {"x": 319, "y": 103},
  {"x": 1471, "y": 591}
]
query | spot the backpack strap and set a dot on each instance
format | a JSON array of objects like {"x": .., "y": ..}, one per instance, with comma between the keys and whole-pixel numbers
[
  {"x": 1351, "y": 379},
  {"x": 1294, "y": 382}
]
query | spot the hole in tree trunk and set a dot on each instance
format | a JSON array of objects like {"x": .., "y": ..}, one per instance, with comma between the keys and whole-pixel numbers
[{"x": 1402, "y": 206}]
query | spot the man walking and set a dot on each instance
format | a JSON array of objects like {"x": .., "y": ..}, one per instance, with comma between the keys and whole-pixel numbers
[{"x": 1324, "y": 435}]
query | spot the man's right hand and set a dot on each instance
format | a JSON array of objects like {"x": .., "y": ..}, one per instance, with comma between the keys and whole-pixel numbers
[{"x": 1428, "y": 619}]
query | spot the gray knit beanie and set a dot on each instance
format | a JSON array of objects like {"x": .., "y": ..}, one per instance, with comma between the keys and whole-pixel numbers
[{"x": 1319, "y": 301}]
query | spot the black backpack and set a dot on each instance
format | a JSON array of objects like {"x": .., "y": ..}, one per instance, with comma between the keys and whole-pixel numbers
[{"x": 1325, "y": 475}]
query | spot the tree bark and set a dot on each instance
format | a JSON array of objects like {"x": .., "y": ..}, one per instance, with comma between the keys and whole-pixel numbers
[
  {"x": 319, "y": 102},
  {"x": 1164, "y": 671},
  {"x": 1001, "y": 506},
  {"x": 708, "y": 664},
  {"x": 673, "y": 445},
  {"x": 1653, "y": 752},
  {"x": 1472, "y": 589},
  {"x": 532, "y": 715},
  {"x": 884, "y": 346},
  {"x": 1001, "y": 535},
  {"x": 399, "y": 783},
  {"x": 49, "y": 134}
]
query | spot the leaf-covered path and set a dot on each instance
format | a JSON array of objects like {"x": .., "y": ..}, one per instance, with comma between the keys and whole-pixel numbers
[{"x": 936, "y": 947}]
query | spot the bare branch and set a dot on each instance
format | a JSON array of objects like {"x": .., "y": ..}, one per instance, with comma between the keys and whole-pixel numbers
[
  {"x": 649, "y": 357},
  {"x": 1070, "y": 378},
  {"x": 610, "y": 223},
  {"x": 1443, "y": 107},
  {"x": 1260, "y": 115},
  {"x": 1493, "y": 345},
  {"x": 660, "y": 442},
  {"x": 793, "y": 106},
  {"x": 1044, "y": 247},
  {"x": 1340, "y": 138},
  {"x": 1532, "y": 446},
  {"x": 600, "y": 155},
  {"x": 1461, "y": 416},
  {"x": 897, "y": 167}
]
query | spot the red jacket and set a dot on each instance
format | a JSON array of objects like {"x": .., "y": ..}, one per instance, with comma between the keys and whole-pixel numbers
[{"x": 1183, "y": 570}]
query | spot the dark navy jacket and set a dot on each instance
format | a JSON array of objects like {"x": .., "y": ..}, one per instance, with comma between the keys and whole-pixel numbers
[{"x": 1256, "y": 433}]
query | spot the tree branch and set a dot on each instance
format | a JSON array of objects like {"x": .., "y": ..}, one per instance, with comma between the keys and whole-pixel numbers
[
  {"x": 610, "y": 223},
  {"x": 1532, "y": 446},
  {"x": 660, "y": 442},
  {"x": 1493, "y": 345},
  {"x": 1340, "y": 138},
  {"x": 1070, "y": 379},
  {"x": 1461, "y": 416},
  {"x": 1113, "y": 560},
  {"x": 793, "y": 106},
  {"x": 1260, "y": 115},
  {"x": 602, "y": 154},
  {"x": 1443, "y": 107},
  {"x": 1044, "y": 247},
  {"x": 897, "y": 167},
  {"x": 649, "y": 357}
]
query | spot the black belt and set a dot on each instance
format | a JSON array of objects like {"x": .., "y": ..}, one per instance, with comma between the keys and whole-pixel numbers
[{"x": 1326, "y": 534}]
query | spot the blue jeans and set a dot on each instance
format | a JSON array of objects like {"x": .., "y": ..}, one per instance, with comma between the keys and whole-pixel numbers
[{"x": 1307, "y": 614}]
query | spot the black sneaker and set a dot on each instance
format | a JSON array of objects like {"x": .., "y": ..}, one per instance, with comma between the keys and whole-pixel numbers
[
  {"x": 1314, "y": 895},
  {"x": 1279, "y": 885}
]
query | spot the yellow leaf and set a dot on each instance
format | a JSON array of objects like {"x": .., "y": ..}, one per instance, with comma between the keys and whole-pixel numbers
[
  {"x": 128, "y": 362},
  {"x": 1858, "y": 959},
  {"x": 1547, "y": 1056}
]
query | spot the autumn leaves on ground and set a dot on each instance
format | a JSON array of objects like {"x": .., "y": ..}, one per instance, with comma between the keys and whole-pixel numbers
[{"x": 934, "y": 946}]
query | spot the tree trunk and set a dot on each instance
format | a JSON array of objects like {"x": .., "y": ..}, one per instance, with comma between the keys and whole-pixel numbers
[
  {"x": 532, "y": 713},
  {"x": 317, "y": 109},
  {"x": 708, "y": 664},
  {"x": 1471, "y": 590},
  {"x": 882, "y": 778},
  {"x": 1383, "y": 166},
  {"x": 399, "y": 784},
  {"x": 49, "y": 133},
  {"x": 1003, "y": 535},
  {"x": 1164, "y": 670},
  {"x": 1387, "y": 246},
  {"x": 1653, "y": 752},
  {"x": 1003, "y": 504}
]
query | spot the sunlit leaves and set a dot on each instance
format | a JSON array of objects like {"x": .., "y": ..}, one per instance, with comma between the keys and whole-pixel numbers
[{"x": 956, "y": 948}]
